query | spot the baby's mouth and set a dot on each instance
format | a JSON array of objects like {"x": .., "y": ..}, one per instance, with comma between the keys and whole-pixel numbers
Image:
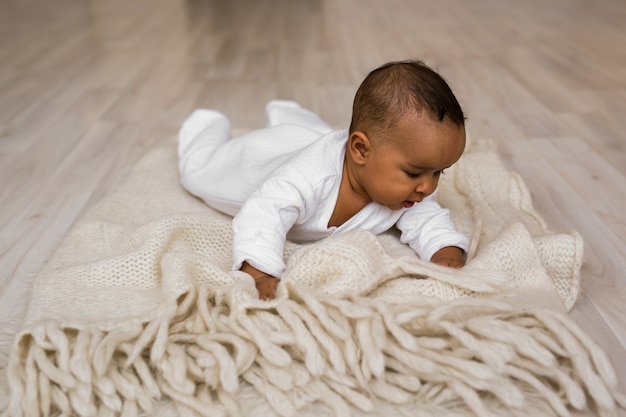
[{"x": 408, "y": 204}]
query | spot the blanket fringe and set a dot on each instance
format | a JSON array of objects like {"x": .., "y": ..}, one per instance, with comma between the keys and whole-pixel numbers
[{"x": 224, "y": 353}]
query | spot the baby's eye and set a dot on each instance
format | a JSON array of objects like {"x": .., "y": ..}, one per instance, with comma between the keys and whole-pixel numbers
[
  {"x": 413, "y": 174},
  {"x": 438, "y": 173}
]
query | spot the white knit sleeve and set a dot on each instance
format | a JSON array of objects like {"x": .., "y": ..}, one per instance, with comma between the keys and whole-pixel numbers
[
  {"x": 426, "y": 227},
  {"x": 260, "y": 227}
]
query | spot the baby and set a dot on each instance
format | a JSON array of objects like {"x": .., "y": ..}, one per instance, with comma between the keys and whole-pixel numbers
[{"x": 301, "y": 180}]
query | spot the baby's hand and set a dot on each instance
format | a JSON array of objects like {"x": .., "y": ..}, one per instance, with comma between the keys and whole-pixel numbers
[
  {"x": 266, "y": 286},
  {"x": 449, "y": 256}
]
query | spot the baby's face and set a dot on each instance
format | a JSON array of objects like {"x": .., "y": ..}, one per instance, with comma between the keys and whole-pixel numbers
[{"x": 406, "y": 168}]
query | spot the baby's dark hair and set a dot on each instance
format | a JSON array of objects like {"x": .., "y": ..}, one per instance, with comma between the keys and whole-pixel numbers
[{"x": 393, "y": 89}]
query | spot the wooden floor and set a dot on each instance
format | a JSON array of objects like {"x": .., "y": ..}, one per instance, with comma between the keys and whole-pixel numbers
[{"x": 88, "y": 87}]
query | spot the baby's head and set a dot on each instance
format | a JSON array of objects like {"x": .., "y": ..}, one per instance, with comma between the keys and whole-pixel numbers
[
  {"x": 396, "y": 88},
  {"x": 407, "y": 127}
]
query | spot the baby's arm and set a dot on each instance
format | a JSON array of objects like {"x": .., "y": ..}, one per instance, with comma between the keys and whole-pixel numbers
[
  {"x": 261, "y": 226},
  {"x": 428, "y": 229}
]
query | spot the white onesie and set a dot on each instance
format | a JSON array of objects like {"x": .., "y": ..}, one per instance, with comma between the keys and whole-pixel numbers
[{"x": 282, "y": 182}]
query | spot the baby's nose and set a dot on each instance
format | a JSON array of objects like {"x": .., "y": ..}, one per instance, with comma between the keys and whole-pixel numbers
[{"x": 426, "y": 187}]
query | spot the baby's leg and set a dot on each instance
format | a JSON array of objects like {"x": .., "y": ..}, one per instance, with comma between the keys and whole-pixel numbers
[
  {"x": 199, "y": 139},
  {"x": 223, "y": 171},
  {"x": 202, "y": 132},
  {"x": 281, "y": 112}
]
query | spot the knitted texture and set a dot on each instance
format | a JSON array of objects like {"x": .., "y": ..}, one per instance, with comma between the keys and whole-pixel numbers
[{"x": 138, "y": 312}]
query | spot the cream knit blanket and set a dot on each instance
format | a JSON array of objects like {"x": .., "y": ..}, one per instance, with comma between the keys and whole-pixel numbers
[{"x": 138, "y": 312}]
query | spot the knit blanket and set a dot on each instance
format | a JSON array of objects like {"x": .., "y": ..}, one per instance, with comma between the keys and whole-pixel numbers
[{"x": 138, "y": 313}]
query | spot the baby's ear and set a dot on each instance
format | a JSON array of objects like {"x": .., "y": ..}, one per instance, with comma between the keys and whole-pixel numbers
[{"x": 359, "y": 146}]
